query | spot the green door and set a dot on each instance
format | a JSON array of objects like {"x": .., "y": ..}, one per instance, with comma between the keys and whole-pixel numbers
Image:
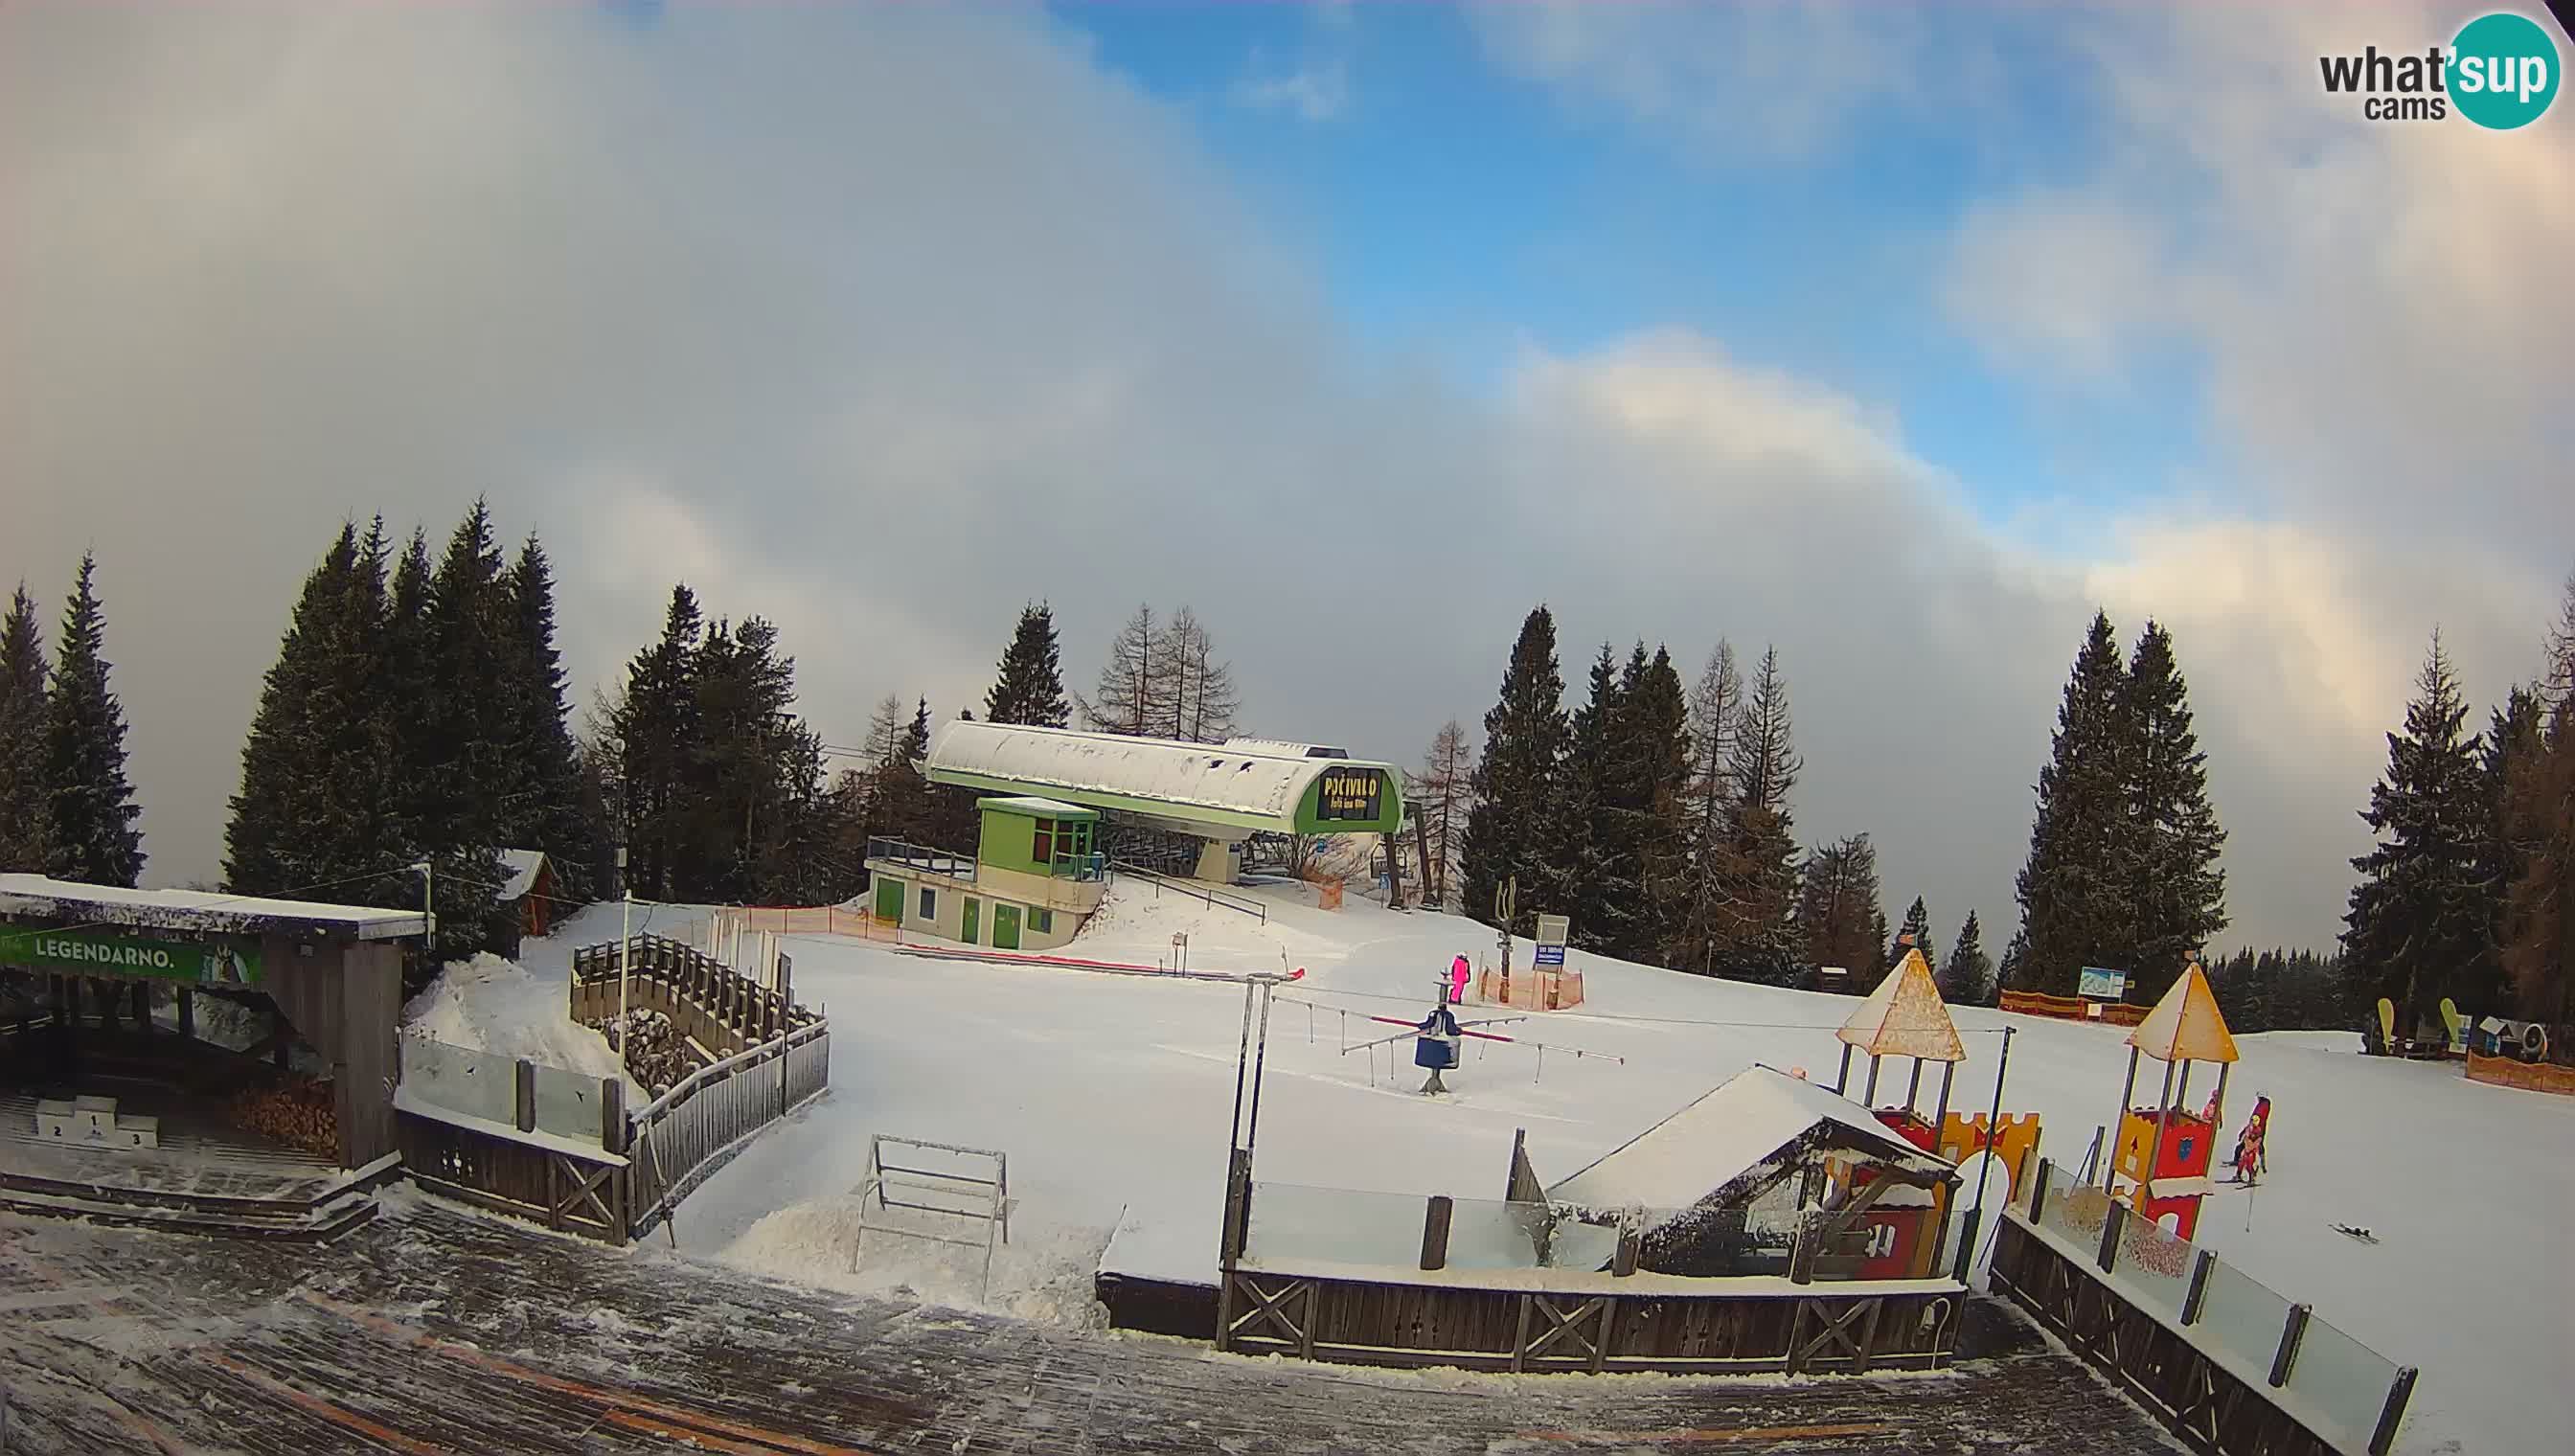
[
  {"x": 972, "y": 908},
  {"x": 889, "y": 900},
  {"x": 1005, "y": 928}
]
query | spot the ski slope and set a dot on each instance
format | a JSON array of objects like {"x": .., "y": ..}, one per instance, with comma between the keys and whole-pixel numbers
[{"x": 1110, "y": 1095}]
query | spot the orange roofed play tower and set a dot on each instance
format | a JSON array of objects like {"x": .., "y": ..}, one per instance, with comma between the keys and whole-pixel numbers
[{"x": 2164, "y": 1152}]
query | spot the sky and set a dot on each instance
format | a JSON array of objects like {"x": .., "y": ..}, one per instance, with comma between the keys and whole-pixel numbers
[{"x": 1899, "y": 337}]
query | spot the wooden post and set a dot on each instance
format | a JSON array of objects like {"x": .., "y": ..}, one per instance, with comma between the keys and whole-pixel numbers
[
  {"x": 527, "y": 1096},
  {"x": 2156, "y": 1148},
  {"x": 1914, "y": 1088},
  {"x": 1631, "y": 1237},
  {"x": 2110, "y": 1136},
  {"x": 2389, "y": 1415},
  {"x": 1841, "y": 1079},
  {"x": 2038, "y": 1188},
  {"x": 2286, "y": 1358},
  {"x": 187, "y": 1013},
  {"x": 2198, "y": 1298},
  {"x": 1802, "y": 1248},
  {"x": 1869, "y": 1096},
  {"x": 1434, "y": 1231},
  {"x": 2112, "y": 1218}
]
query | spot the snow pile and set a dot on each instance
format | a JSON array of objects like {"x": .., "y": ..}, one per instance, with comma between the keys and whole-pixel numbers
[
  {"x": 1042, "y": 1274},
  {"x": 495, "y": 1005},
  {"x": 1137, "y": 921}
]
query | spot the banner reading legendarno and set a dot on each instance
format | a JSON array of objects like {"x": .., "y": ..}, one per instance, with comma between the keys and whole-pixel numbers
[{"x": 94, "y": 952}]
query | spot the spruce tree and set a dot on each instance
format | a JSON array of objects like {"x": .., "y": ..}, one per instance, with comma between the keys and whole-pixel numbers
[
  {"x": 465, "y": 752},
  {"x": 2074, "y": 887},
  {"x": 90, "y": 809},
  {"x": 546, "y": 811},
  {"x": 1838, "y": 908},
  {"x": 1967, "y": 979},
  {"x": 1587, "y": 886},
  {"x": 653, "y": 737},
  {"x": 1655, "y": 802},
  {"x": 1753, "y": 938},
  {"x": 2420, "y": 915},
  {"x": 2537, "y": 939},
  {"x": 1509, "y": 832},
  {"x": 1917, "y": 924},
  {"x": 2177, "y": 891},
  {"x": 1029, "y": 687},
  {"x": 290, "y": 825},
  {"x": 23, "y": 723},
  {"x": 2012, "y": 971}
]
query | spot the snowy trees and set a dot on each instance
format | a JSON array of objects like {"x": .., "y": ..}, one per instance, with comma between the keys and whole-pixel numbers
[
  {"x": 1838, "y": 909},
  {"x": 1444, "y": 790},
  {"x": 1755, "y": 880},
  {"x": 2122, "y": 868},
  {"x": 1509, "y": 831},
  {"x": 720, "y": 782},
  {"x": 90, "y": 809},
  {"x": 1916, "y": 934},
  {"x": 2421, "y": 913},
  {"x": 1028, "y": 686},
  {"x": 545, "y": 808},
  {"x": 22, "y": 738},
  {"x": 1968, "y": 977},
  {"x": 1164, "y": 682}
]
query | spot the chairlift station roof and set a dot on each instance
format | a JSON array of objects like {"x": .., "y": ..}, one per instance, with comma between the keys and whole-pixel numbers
[{"x": 1211, "y": 790}]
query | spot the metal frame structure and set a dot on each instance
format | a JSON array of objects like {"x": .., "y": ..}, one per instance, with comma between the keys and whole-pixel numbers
[{"x": 984, "y": 1199}]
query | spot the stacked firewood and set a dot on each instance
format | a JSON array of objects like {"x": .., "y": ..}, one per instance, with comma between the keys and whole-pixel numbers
[
  {"x": 657, "y": 1056},
  {"x": 296, "y": 1111}
]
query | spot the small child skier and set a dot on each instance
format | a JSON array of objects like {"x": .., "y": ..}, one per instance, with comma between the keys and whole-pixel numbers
[
  {"x": 2250, "y": 1161},
  {"x": 1459, "y": 974}
]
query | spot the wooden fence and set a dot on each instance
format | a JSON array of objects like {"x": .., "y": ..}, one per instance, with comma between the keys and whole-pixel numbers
[
  {"x": 724, "y": 1011},
  {"x": 567, "y": 1188},
  {"x": 2217, "y": 1404},
  {"x": 691, "y": 1130},
  {"x": 2073, "y": 1008}
]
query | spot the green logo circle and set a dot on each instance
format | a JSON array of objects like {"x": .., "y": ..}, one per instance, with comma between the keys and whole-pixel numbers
[{"x": 2503, "y": 71}]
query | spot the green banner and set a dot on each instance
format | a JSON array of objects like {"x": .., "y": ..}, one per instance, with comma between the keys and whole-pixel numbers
[{"x": 96, "y": 953}]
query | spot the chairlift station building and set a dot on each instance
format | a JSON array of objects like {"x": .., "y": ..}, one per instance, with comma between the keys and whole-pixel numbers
[{"x": 1040, "y": 865}]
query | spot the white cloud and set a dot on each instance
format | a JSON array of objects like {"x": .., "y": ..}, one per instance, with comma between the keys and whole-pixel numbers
[
  {"x": 1315, "y": 92},
  {"x": 850, "y": 347}
]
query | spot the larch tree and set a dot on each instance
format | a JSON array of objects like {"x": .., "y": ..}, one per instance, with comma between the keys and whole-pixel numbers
[
  {"x": 2073, "y": 889},
  {"x": 1509, "y": 832},
  {"x": 1754, "y": 939},
  {"x": 1444, "y": 789},
  {"x": 1716, "y": 708},
  {"x": 1028, "y": 686},
  {"x": 23, "y": 723},
  {"x": 1124, "y": 700},
  {"x": 2176, "y": 896},
  {"x": 90, "y": 807}
]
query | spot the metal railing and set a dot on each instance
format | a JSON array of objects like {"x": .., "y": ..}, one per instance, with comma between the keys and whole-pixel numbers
[
  {"x": 923, "y": 857},
  {"x": 1206, "y": 894}
]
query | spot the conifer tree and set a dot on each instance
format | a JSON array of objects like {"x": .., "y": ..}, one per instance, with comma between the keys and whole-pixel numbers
[
  {"x": 1029, "y": 686},
  {"x": 90, "y": 809},
  {"x": 1587, "y": 857},
  {"x": 23, "y": 727},
  {"x": 465, "y": 765},
  {"x": 653, "y": 734},
  {"x": 2012, "y": 970},
  {"x": 2176, "y": 897},
  {"x": 545, "y": 812},
  {"x": 2420, "y": 913},
  {"x": 1917, "y": 924},
  {"x": 298, "y": 823},
  {"x": 1967, "y": 979},
  {"x": 1716, "y": 708},
  {"x": 1509, "y": 832},
  {"x": 2536, "y": 924},
  {"x": 1838, "y": 908},
  {"x": 1753, "y": 940},
  {"x": 2073, "y": 889},
  {"x": 1653, "y": 803}
]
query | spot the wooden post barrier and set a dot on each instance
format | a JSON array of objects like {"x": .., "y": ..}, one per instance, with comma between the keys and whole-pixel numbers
[
  {"x": 2286, "y": 1358},
  {"x": 1434, "y": 1231},
  {"x": 527, "y": 1096}
]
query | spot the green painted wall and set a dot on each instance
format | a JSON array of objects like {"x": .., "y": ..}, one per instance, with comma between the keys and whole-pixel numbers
[{"x": 1009, "y": 839}]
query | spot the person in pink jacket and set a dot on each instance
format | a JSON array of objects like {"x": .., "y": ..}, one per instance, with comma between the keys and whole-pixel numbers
[{"x": 1459, "y": 974}]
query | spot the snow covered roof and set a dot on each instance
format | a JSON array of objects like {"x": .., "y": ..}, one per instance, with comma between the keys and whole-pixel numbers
[
  {"x": 1030, "y": 804},
  {"x": 1285, "y": 749},
  {"x": 201, "y": 911},
  {"x": 2185, "y": 1025},
  {"x": 1757, "y": 1120},
  {"x": 523, "y": 865},
  {"x": 1211, "y": 784},
  {"x": 1904, "y": 1017}
]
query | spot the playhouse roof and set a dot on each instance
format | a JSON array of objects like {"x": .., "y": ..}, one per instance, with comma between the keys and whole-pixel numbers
[
  {"x": 1904, "y": 1016},
  {"x": 2185, "y": 1025},
  {"x": 1756, "y": 1121}
]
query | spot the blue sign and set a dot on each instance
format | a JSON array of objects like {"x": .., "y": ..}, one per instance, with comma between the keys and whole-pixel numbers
[
  {"x": 1551, "y": 955},
  {"x": 2102, "y": 985}
]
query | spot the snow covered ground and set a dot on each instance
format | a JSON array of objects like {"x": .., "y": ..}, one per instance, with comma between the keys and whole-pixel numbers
[{"x": 1110, "y": 1095}]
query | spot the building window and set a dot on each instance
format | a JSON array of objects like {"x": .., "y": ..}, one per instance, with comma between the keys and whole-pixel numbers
[
  {"x": 1044, "y": 852},
  {"x": 1040, "y": 922},
  {"x": 928, "y": 903}
]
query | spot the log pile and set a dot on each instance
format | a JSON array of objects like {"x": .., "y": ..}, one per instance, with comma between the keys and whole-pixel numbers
[
  {"x": 296, "y": 1111},
  {"x": 657, "y": 1056}
]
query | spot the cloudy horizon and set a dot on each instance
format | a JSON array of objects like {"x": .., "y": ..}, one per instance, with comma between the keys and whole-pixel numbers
[{"x": 1359, "y": 331}]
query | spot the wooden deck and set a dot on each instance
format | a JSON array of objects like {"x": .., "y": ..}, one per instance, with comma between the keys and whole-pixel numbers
[{"x": 432, "y": 1330}]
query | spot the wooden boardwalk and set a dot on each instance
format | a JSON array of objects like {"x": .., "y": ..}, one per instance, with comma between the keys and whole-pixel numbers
[{"x": 434, "y": 1331}]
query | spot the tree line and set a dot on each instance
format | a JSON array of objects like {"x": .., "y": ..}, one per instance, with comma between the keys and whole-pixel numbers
[
  {"x": 2469, "y": 889},
  {"x": 66, "y": 807}
]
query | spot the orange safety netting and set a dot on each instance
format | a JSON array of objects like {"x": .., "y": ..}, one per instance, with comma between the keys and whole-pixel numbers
[
  {"x": 2503, "y": 1071},
  {"x": 1537, "y": 990}
]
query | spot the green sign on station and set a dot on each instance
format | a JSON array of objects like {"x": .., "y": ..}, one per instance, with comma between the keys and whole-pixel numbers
[{"x": 99, "y": 953}]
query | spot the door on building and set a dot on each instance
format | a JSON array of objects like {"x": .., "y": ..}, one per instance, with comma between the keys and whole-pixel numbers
[
  {"x": 1005, "y": 928},
  {"x": 974, "y": 909},
  {"x": 890, "y": 900}
]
